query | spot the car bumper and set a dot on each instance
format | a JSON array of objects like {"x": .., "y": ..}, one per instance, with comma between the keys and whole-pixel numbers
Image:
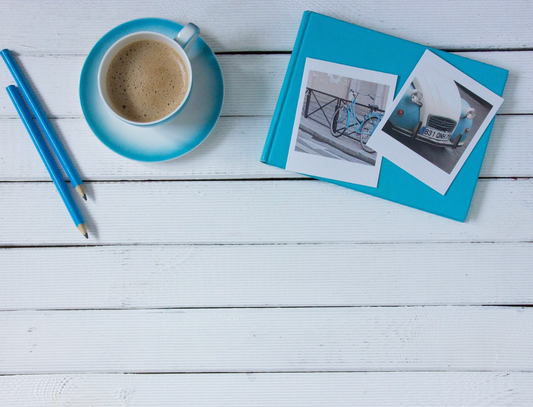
[
  {"x": 401, "y": 130},
  {"x": 435, "y": 142},
  {"x": 410, "y": 133}
]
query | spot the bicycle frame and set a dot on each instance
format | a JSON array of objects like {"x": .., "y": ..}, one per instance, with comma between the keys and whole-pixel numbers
[
  {"x": 353, "y": 120},
  {"x": 346, "y": 117},
  {"x": 351, "y": 113}
]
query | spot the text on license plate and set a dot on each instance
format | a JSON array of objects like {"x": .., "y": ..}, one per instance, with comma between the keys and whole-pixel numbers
[{"x": 436, "y": 134}]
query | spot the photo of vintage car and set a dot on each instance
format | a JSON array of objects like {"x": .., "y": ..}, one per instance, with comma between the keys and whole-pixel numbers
[{"x": 433, "y": 111}]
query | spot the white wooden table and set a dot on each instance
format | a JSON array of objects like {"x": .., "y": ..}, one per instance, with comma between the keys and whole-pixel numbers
[{"x": 215, "y": 280}]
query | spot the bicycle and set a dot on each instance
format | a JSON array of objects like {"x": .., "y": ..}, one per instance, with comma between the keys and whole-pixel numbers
[{"x": 345, "y": 116}]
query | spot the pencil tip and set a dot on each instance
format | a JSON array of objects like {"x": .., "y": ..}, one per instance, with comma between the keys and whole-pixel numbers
[
  {"x": 81, "y": 227},
  {"x": 81, "y": 191}
]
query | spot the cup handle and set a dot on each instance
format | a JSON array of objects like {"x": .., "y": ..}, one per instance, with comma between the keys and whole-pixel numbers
[{"x": 187, "y": 36}]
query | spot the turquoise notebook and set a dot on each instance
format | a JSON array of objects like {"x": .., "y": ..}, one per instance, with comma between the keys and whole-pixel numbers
[{"x": 325, "y": 38}]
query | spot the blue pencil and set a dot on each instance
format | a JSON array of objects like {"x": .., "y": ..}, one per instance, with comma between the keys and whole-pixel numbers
[
  {"x": 47, "y": 158},
  {"x": 43, "y": 122}
]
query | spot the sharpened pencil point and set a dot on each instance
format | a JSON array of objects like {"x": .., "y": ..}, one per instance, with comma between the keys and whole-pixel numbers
[
  {"x": 81, "y": 227},
  {"x": 81, "y": 190}
]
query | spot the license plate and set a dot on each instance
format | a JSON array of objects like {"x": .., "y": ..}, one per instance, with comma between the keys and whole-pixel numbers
[{"x": 436, "y": 134}]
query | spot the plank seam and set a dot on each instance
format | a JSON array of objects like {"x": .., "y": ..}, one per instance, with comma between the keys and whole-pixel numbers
[
  {"x": 341, "y": 243},
  {"x": 269, "y": 179},
  {"x": 260, "y": 307},
  {"x": 282, "y": 52},
  {"x": 266, "y": 372},
  {"x": 51, "y": 117}
]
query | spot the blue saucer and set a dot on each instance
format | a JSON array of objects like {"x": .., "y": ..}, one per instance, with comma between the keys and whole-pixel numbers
[{"x": 168, "y": 140}]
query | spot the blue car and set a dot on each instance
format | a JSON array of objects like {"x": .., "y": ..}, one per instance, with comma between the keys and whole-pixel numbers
[{"x": 433, "y": 111}]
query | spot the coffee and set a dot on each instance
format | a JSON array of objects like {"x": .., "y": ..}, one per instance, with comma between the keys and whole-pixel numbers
[{"x": 146, "y": 81}]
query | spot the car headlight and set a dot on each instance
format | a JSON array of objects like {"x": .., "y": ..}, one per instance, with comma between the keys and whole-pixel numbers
[
  {"x": 470, "y": 114},
  {"x": 416, "y": 97}
]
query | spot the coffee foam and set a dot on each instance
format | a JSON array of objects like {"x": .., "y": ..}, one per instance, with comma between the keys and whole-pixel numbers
[{"x": 146, "y": 81}]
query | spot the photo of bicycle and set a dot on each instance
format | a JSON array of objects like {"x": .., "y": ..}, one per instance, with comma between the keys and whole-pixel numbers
[
  {"x": 339, "y": 106},
  {"x": 339, "y": 115}
]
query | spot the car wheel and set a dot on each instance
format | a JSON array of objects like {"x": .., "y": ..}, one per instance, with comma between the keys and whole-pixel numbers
[
  {"x": 456, "y": 141},
  {"x": 416, "y": 130}
]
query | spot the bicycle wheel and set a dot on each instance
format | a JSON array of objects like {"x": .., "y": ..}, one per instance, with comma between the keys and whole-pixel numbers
[
  {"x": 339, "y": 122},
  {"x": 367, "y": 128}
]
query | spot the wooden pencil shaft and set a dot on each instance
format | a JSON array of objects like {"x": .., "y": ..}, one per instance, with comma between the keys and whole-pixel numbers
[
  {"x": 43, "y": 121},
  {"x": 47, "y": 158}
]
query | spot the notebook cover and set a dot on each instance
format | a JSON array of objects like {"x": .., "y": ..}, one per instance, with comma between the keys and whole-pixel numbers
[{"x": 329, "y": 39}]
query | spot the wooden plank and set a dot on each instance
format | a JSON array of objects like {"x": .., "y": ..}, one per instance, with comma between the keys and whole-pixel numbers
[
  {"x": 252, "y": 82},
  {"x": 438, "y": 389},
  {"x": 267, "y": 26},
  {"x": 254, "y": 212},
  {"x": 266, "y": 276},
  {"x": 517, "y": 93},
  {"x": 495, "y": 339},
  {"x": 232, "y": 151},
  {"x": 510, "y": 148}
]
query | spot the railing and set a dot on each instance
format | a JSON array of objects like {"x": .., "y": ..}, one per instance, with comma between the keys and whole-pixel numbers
[{"x": 320, "y": 107}]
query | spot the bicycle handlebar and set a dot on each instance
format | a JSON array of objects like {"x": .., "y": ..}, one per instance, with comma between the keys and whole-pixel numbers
[{"x": 364, "y": 94}]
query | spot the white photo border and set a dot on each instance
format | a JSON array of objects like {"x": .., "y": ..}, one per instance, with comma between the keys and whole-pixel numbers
[
  {"x": 330, "y": 168},
  {"x": 410, "y": 161}
]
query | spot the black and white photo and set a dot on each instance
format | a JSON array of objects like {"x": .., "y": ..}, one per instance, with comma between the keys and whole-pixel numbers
[{"x": 338, "y": 109}]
